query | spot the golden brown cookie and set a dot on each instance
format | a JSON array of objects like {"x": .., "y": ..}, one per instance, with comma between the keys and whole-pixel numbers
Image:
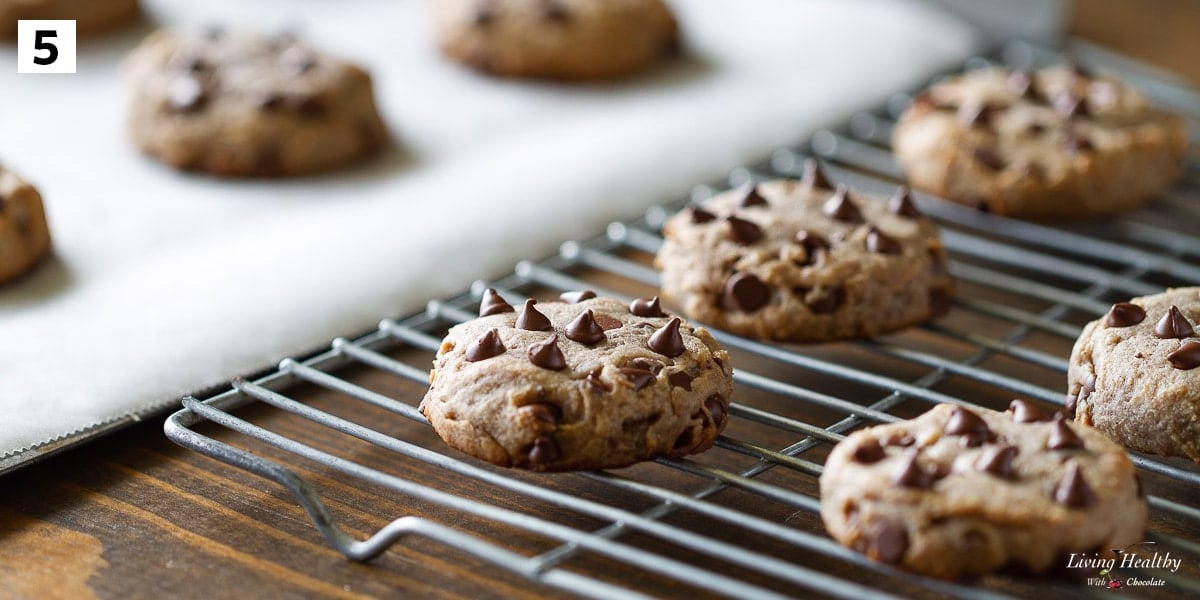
[
  {"x": 960, "y": 492},
  {"x": 804, "y": 261},
  {"x": 581, "y": 383},
  {"x": 1135, "y": 374},
  {"x": 90, "y": 16},
  {"x": 241, "y": 104},
  {"x": 24, "y": 234},
  {"x": 556, "y": 39},
  {"x": 1057, "y": 142}
]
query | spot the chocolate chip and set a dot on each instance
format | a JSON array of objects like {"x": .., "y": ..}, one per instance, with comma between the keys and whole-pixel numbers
[
  {"x": 939, "y": 303},
  {"x": 531, "y": 319},
  {"x": 889, "y": 543},
  {"x": 716, "y": 409},
  {"x": 646, "y": 307},
  {"x": 584, "y": 329},
  {"x": 745, "y": 292},
  {"x": 493, "y": 303},
  {"x": 542, "y": 411},
  {"x": 544, "y": 450},
  {"x": 683, "y": 442},
  {"x": 826, "y": 302},
  {"x": 998, "y": 461},
  {"x": 977, "y": 114},
  {"x": 681, "y": 379},
  {"x": 910, "y": 473},
  {"x": 742, "y": 231},
  {"x": 869, "y": 452},
  {"x": 968, "y": 424},
  {"x": 667, "y": 340},
  {"x": 1077, "y": 144},
  {"x": 1186, "y": 357},
  {"x": 881, "y": 243},
  {"x": 988, "y": 158},
  {"x": 1025, "y": 411},
  {"x": 1173, "y": 325},
  {"x": 814, "y": 176},
  {"x": 577, "y": 296},
  {"x": 607, "y": 322},
  {"x": 546, "y": 354},
  {"x": 554, "y": 12},
  {"x": 1073, "y": 491},
  {"x": 980, "y": 204},
  {"x": 1068, "y": 106},
  {"x": 902, "y": 203},
  {"x": 640, "y": 378},
  {"x": 593, "y": 379},
  {"x": 699, "y": 215},
  {"x": 811, "y": 242},
  {"x": 841, "y": 207},
  {"x": 486, "y": 346},
  {"x": 186, "y": 94},
  {"x": 296, "y": 60},
  {"x": 1062, "y": 437},
  {"x": 751, "y": 197}
]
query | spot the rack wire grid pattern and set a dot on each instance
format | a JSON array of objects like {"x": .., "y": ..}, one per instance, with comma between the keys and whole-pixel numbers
[{"x": 1024, "y": 291}]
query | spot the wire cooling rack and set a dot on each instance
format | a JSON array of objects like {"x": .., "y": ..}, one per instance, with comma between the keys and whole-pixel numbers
[{"x": 742, "y": 519}]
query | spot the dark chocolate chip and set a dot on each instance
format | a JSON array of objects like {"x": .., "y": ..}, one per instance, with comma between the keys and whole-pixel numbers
[
  {"x": 297, "y": 60},
  {"x": 1077, "y": 143},
  {"x": 1124, "y": 314},
  {"x": 940, "y": 302},
  {"x": 584, "y": 329},
  {"x": 716, "y": 409},
  {"x": 828, "y": 301},
  {"x": 988, "y": 158},
  {"x": 1025, "y": 411},
  {"x": 1062, "y": 437},
  {"x": 966, "y": 423},
  {"x": 493, "y": 303},
  {"x": 646, "y": 307},
  {"x": 542, "y": 411},
  {"x": 910, "y": 474},
  {"x": 869, "y": 452},
  {"x": 544, "y": 450},
  {"x": 186, "y": 94},
  {"x": 811, "y": 242},
  {"x": 841, "y": 207},
  {"x": 649, "y": 364},
  {"x": 998, "y": 461},
  {"x": 607, "y": 322},
  {"x": 980, "y": 204},
  {"x": 531, "y": 319},
  {"x": 593, "y": 379},
  {"x": 902, "y": 203},
  {"x": 881, "y": 243},
  {"x": 751, "y": 197},
  {"x": 814, "y": 176},
  {"x": 889, "y": 543},
  {"x": 684, "y": 441},
  {"x": 486, "y": 346},
  {"x": 640, "y": 378},
  {"x": 1186, "y": 357},
  {"x": 681, "y": 379},
  {"x": 554, "y": 12},
  {"x": 1069, "y": 106},
  {"x": 667, "y": 340},
  {"x": 745, "y": 292},
  {"x": 1073, "y": 491},
  {"x": 699, "y": 215},
  {"x": 742, "y": 231},
  {"x": 546, "y": 354},
  {"x": 1173, "y": 325},
  {"x": 577, "y": 296}
]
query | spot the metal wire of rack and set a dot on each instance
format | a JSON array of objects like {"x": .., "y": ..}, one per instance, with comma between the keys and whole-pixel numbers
[{"x": 740, "y": 520}]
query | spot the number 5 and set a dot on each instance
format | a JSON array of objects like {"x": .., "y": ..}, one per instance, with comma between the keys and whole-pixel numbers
[{"x": 39, "y": 43}]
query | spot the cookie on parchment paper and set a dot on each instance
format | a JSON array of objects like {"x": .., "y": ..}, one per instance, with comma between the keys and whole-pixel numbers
[
  {"x": 1059, "y": 142},
  {"x": 24, "y": 234},
  {"x": 1135, "y": 374},
  {"x": 804, "y": 261},
  {"x": 242, "y": 104},
  {"x": 960, "y": 492},
  {"x": 580, "y": 383},
  {"x": 556, "y": 39}
]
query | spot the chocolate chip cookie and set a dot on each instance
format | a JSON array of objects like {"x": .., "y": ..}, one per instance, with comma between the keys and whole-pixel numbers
[
  {"x": 556, "y": 39},
  {"x": 240, "y": 104},
  {"x": 806, "y": 261},
  {"x": 959, "y": 492},
  {"x": 1135, "y": 374},
  {"x": 24, "y": 234},
  {"x": 1057, "y": 142},
  {"x": 578, "y": 383},
  {"x": 90, "y": 16}
]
